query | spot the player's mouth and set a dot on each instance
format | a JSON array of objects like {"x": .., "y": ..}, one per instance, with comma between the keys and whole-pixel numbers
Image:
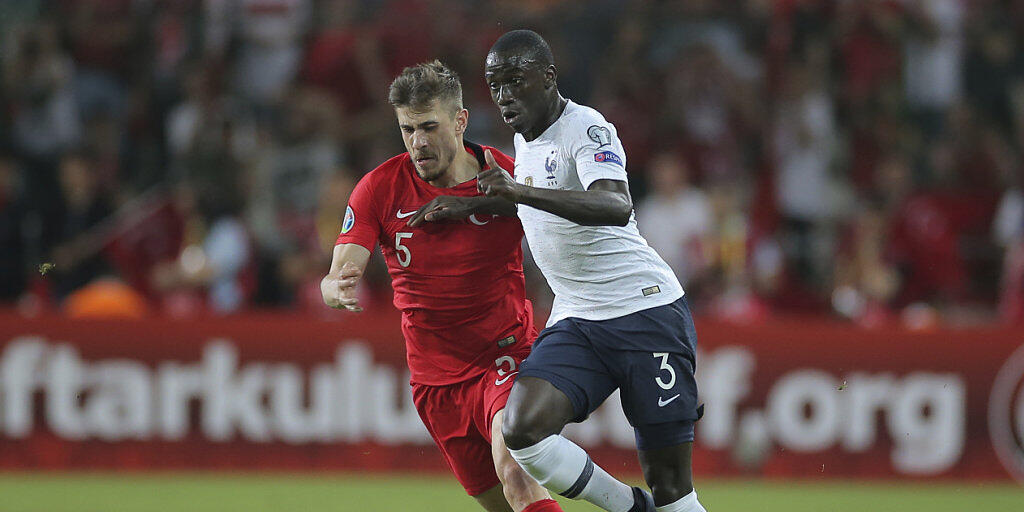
[
  {"x": 510, "y": 116},
  {"x": 421, "y": 160}
]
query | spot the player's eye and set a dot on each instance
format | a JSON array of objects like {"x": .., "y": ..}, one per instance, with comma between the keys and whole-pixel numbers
[
  {"x": 517, "y": 81},
  {"x": 407, "y": 129},
  {"x": 493, "y": 86}
]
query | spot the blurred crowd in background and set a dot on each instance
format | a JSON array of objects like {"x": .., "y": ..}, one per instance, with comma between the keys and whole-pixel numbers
[{"x": 856, "y": 158}]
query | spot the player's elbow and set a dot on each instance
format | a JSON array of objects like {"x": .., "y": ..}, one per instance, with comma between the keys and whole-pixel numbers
[
  {"x": 623, "y": 211},
  {"x": 614, "y": 213}
]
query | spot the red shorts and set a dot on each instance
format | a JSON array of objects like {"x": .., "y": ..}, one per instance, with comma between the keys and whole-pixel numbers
[{"x": 459, "y": 417}]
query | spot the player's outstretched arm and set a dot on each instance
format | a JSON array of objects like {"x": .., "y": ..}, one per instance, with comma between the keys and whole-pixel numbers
[
  {"x": 444, "y": 208},
  {"x": 605, "y": 203},
  {"x": 339, "y": 285}
]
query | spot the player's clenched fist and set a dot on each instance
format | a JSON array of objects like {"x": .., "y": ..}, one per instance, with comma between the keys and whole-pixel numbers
[
  {"x": 496, "y": 181},
  {"x": 339, "y": 289}
]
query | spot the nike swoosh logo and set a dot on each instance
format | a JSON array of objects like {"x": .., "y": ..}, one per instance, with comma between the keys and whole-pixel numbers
[
  {"x": 401, "y": 215},
  {"x": 663, "y": 403},
  {"x": 498, "y": 382}
]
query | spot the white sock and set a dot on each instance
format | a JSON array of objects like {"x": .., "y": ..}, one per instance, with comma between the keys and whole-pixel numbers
[
  {"x": 560, "y": 465},
  {"x": 687, "y": 503}
]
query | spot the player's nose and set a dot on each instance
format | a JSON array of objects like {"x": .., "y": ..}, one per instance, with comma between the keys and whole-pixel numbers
[
  {"x": 419, "y": 140},
  {"x": 504, "y": 97}
]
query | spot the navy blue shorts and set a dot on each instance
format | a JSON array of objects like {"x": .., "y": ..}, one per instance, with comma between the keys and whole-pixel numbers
[{"x": 648, "y": 355}]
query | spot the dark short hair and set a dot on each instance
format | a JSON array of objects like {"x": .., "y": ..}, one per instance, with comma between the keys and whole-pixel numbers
[
  {"x": 418, "y": 86},
  {"x": 526, "y": 43}
]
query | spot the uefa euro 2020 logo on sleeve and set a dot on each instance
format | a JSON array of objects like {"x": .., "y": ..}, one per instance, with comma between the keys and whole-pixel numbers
[
  {"x": 350, "y": 219},
  {"x": 1006, "y": 414}
]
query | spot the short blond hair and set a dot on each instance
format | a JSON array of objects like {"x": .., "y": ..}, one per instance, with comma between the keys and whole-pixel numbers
[{"x": 418, "y": 86}]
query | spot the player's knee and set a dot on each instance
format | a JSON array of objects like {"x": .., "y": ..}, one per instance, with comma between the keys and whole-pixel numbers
[
  {"x": 512, "y": 477},
  {"x": 519, "y": 493},
  {"x": 517, "y": 432},
  {"x": 521, "y": 430},
  {"x": 519, "y": 488},
  {"x": 535, "y": 410}
]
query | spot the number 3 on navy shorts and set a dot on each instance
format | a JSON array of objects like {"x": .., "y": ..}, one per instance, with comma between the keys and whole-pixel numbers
[
  {"x": 503, "y": 374},
  {"x": 665, "y": 367}
]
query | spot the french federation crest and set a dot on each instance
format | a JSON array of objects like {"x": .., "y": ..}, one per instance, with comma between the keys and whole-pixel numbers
[
  {"x": 550, "y": 164},
  {"x": 529, "y": 181},
  {"x": 350, "y": 220}
]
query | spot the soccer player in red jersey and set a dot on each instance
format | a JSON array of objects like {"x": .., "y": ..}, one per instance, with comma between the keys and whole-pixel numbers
[{"x": 459, "y": 284}]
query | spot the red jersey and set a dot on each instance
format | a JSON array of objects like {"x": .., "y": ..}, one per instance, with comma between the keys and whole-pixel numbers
[{"x": 459, "y": 285}]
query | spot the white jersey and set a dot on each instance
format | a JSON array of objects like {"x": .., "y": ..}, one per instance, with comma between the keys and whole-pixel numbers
[{"x": 596, "y": 272}]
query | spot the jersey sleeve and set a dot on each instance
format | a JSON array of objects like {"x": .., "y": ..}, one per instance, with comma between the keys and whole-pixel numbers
[
  {"x": 362, "y": 223},
  {"x": 597, "y": 150}
]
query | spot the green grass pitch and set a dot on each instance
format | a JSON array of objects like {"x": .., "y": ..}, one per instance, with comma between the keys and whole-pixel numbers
[{"x": 201, "y": 492}]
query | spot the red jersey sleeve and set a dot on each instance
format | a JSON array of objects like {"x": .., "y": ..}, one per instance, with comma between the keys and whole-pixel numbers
[{"x": 362, "y": 222}]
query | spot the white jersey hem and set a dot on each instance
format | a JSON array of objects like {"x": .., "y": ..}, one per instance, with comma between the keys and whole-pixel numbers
[{"x": 611, "y": 313}]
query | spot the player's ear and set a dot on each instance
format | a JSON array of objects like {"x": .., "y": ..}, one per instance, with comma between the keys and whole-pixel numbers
[
  {"x": 461, "y": 121},
  {"x": 550, "y": 76}
]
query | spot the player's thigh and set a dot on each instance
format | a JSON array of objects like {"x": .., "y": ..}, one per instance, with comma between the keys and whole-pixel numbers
[
  {"x": 446, "y": 411},
  {"x": 562, "y": 380},
  {"x": 658, "y": 387},
  {"x": 499, "y": 451},
  {"x": 652, "y": 356}
]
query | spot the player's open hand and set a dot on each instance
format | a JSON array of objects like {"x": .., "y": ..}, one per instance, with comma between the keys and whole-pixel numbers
[
  {"x": 496, "y": 181},
  {"x": 442, "y": 208},
  {"x": 339, "y": 289}
]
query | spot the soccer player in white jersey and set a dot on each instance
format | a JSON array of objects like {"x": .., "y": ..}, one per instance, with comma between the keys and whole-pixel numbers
[{"x": 619, "y": 318}]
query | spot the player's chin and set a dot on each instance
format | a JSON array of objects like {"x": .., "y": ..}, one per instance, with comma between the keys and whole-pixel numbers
[{"x": 428, "y": 169}]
